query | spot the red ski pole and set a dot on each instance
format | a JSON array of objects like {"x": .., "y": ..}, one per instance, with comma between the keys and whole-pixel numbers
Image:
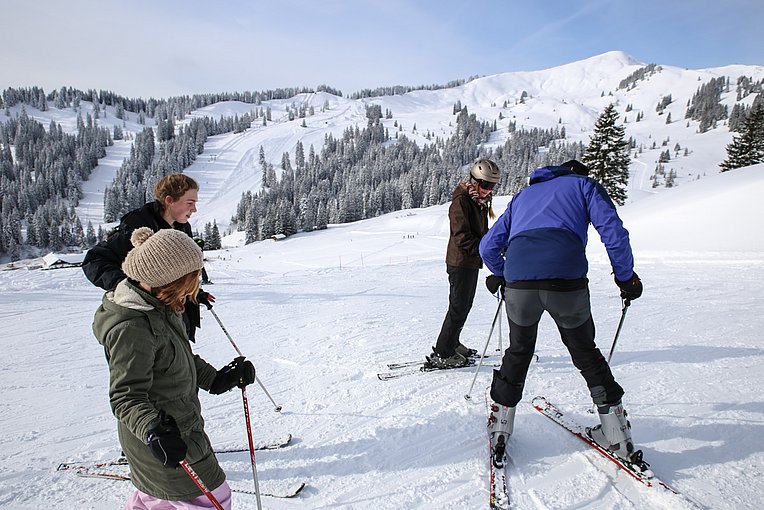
[
  {"x": 246, "y": 412},
  {"x": 251, "y": 446},
  {"x": 199, "y": 483}
]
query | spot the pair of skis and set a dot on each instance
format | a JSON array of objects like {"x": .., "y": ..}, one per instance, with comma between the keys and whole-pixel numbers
[
  {"x": 105, "y": 469},
  {"x": 273, "y": 444},
  {"x": 639, "y": 471},
  {"x": 397, "y": 370}
]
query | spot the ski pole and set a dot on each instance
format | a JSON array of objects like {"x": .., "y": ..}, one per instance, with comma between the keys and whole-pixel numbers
[
  {"x": 236, "y": 348},
  {"x": 246, "y": 413},
  {"x": 251, "y": 447},
  {"x": 199, "y": 483},
  {"x": 626, "y": 303},
  {"x": 230, "y": 339},
  {"x": 499, "y": 297},
  {"x": 468, "y": 396}
]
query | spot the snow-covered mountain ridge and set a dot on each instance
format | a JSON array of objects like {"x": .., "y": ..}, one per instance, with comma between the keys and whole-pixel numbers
[{"x": 570, "y": 96}]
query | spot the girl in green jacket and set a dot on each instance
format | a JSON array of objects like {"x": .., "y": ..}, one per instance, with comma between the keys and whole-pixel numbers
[{"x": 155, "y": 377}]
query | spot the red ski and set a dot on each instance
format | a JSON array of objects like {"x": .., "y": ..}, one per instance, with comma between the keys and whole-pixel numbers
[
  {"x": 497, "y": 459},
  {"x": 640, "y": 472}
]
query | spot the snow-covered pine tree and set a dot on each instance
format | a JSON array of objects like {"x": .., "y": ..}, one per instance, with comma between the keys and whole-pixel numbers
[
  {"x": 90, "y": 236},
  {"x": 214, "y": 242},
  {"x": 299, "y": 156},
  {"x": 250, "y": 227},
  {"x": 607, "y": 155},
  {"x": 747, "y": 148},
  {"x": 206, "y": 234}
]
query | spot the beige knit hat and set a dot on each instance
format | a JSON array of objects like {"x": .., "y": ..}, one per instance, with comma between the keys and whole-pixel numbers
[{"x": 161, "y": 257}]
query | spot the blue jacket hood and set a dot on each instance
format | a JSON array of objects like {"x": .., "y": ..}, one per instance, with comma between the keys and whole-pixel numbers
[{"x": 547, "y": 173}]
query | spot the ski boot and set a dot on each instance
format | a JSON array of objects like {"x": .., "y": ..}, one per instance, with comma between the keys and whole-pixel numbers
[
  {"x": 614, "y": 433},
  {"x": 466, "y": 351},
  {"x": 456, "y": 360},
  {"x": 501, "y": 424}
]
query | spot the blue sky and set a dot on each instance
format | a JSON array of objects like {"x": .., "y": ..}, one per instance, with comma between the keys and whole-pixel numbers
[{"x": 155, "y": 48}]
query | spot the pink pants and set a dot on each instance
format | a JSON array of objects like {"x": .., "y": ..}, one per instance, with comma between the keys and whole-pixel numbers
[{"x": 142, "y": 501}]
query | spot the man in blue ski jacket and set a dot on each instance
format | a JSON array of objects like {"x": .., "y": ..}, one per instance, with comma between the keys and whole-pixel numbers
[{"x": 536, "y": 251}]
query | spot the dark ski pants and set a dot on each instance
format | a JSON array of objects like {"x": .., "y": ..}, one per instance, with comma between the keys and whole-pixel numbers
[
  {"x": 571, "y": 311},
  {"x": 462, "y": 283}
]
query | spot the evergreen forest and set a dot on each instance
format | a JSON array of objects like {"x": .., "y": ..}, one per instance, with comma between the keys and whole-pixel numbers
[{"x": 363, "y": 173}]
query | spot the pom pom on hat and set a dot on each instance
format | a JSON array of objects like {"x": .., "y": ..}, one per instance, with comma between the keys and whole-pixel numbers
[
  {"x": 161, "y": 257},
  {"x": 140, "y": 235}
]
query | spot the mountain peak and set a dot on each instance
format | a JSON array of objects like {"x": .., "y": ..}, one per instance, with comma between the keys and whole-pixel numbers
[{"x": 615, "y": 56}]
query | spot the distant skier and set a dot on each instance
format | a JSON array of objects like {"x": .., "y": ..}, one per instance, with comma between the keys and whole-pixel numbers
[
  {"x": 468, "y": 218},
  {"x": 154, "y": 378},
  {"x": 536, "y": 251},
  {"x": 176, "y": 196}
]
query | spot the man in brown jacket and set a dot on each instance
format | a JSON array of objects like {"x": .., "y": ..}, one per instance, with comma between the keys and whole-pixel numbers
[{"x": 468, "y": 217}]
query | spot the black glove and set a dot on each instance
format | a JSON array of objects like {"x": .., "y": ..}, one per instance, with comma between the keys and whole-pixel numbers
[
  {"x": 239, "y": 372},
  {"x": 165, "y": 441},
  {"x": 630, "y": 289},
  {"x": 493, "y": 283},
  {"x": 202, "y": 298}
]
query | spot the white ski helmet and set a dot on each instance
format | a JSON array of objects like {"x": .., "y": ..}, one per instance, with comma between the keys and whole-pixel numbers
[{"x": 485, "y": 170}]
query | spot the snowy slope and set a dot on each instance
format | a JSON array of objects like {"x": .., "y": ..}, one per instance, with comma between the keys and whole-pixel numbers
[
  {"x": 322, "y": 313},
  {"x": 567, "y": 96},
  {"x": 570, "y": 96}
]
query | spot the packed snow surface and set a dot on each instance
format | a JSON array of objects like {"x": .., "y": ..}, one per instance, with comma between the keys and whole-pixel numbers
[{"x": 322, "y": 313}]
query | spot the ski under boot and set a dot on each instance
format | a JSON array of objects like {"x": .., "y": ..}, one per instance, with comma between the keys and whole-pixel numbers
[{"x": 501, "y": 424}]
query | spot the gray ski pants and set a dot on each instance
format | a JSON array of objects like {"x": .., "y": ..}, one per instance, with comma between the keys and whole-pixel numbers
[{"x": 571, "y": 312}]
